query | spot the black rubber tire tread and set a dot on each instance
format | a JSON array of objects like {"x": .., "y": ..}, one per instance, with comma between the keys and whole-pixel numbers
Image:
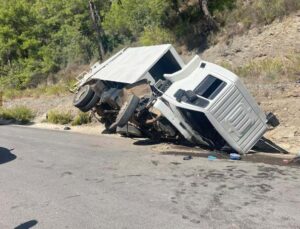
[
  {"x": 90, "y": 104},
  {"x": 126, "y": 111},
  {"x": 129, "y": 131},
  {"x": 86, "y": 96}
]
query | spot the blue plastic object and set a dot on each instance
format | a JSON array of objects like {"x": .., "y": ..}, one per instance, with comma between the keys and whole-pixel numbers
[
  {"x": 211, "y": 158},
  {"x": 235, "y": 156}
]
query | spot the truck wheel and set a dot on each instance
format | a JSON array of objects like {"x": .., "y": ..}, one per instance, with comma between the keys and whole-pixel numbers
[
  {"x": 83, "y": 96},
  {"x": 90, "y": 104},
  {"x": 126, "y": 111}
]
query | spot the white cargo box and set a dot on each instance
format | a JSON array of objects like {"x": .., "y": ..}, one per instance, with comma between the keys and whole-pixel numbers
[{"x": 133, "y": 64}]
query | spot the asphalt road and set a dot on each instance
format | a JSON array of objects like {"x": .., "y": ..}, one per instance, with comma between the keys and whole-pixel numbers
[{"x": 52, "y": 179}]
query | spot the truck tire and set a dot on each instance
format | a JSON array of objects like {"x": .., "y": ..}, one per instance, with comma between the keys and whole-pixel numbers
[
  {"x": 83, "y": 96},
  {"x": 90, "y": 104},
  {"x": 126, "y": 112}
]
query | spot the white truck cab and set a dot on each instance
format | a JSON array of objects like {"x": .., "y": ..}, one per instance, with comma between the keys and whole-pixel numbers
[{"x": 206, "y": 92}]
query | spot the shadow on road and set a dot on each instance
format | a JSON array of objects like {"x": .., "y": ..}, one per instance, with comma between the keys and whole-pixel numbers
[
  {"x": 146, "y": 142},
  {"x": 6, "y": 155},
  {"x": 27, "y": 225}
]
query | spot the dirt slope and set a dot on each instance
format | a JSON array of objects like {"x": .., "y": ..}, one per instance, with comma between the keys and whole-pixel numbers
[{"x": 275, "y": 40}]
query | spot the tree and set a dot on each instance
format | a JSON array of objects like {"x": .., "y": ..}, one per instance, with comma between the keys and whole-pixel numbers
[
  {"x": 38, "y": 38},
  {"x": 203, "y": 4}
]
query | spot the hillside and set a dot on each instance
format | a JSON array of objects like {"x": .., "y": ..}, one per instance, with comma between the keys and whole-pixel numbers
[{"x": 280, "y": 39}]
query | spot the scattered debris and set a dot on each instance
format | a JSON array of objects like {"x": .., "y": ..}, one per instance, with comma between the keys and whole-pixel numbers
[
  {"x": 296, "y": 160},
  {"x": 186, "y": 158},
  {"x": 235, "y": 156},
  {"x": 175, "y": 163},
  {"x": 211, "y": 158},
  {"x": 297, "y": 133},
  {"x": 67, "y": 128},
  {"x": 154, "y": 162},
  {"x": 286, "y": 161}
]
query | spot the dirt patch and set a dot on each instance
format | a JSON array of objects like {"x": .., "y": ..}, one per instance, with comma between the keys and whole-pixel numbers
[{"x": 284, "y": 101}]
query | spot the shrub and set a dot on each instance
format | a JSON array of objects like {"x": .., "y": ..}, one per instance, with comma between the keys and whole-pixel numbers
[
  {"x": 81, "y": 118},
  {"x": 59, "y": 117},
  {"x": 156, "y": 35},
  {"x": 19, "y": 114}
]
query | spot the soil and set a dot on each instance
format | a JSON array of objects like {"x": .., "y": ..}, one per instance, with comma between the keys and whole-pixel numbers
[{"x": 284, "y": 101}]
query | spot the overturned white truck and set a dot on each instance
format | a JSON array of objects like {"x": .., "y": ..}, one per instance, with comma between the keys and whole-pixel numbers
[{"x": 151, "y": 92}]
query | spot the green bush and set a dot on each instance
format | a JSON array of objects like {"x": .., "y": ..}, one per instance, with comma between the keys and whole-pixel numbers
[
  {"x": 81, "y": 118},
  {"x": 19, "y": 114},
  {"x": 156, "y": 35},
  {"x": 59, "y": 117}
]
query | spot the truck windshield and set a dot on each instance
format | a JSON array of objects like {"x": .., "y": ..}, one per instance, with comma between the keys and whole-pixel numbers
[{"x": 210, "y": 87}]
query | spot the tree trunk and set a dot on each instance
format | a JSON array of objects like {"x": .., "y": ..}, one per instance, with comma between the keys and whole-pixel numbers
[
  {"x": 98, "y": 28},
  {"x": 203, "y": 4}
]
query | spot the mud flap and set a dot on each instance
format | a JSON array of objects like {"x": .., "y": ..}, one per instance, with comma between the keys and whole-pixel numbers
[{"x": 266, "y": 145}]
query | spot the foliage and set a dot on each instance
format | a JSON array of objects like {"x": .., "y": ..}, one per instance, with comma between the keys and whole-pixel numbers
[
  {"x": 130, "y": 17},
  {"x": 59, "y": 117},
  {"x": 20, "y": 114},
  {"x": 39, "y": 38},
  {"x": 66, "y": 117},
  {"x": 81, "y": 118},
  {"x": 156, "y": 35}
]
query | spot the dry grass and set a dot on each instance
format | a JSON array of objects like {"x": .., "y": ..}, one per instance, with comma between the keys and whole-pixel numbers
[
  {"x": 81, "y": 119},
  {"x": 20, "y": 114},
  {"x": 59, "y": 117},
  {"x": 66, "y": 117},
  {"x": 57, "y": 89},
  {"x": 269, "y": 69}
]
